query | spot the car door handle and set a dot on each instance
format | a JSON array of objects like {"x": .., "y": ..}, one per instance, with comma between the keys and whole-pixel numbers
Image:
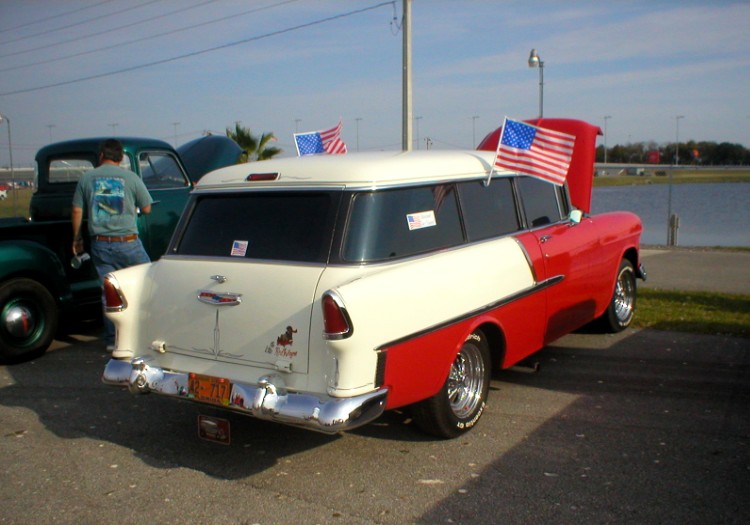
[{"x": 544, "y": 238}]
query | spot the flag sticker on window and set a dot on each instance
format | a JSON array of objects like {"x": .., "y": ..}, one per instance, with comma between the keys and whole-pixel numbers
[
  {"x": 422, "y": 219},
  {"x": 239, "y": 248}
]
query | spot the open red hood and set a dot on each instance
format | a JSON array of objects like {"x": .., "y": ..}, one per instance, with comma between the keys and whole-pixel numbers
[{"x": 581, "y": 172}]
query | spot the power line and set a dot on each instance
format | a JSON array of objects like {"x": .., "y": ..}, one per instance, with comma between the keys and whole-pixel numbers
[
  {"x": 84, "y": 37},
  {"x": 203, "y": 51},
  {"x": 150, "y": 37},
  {"x": 39, "y": 21},
  {"x": 93, "y": 19}
]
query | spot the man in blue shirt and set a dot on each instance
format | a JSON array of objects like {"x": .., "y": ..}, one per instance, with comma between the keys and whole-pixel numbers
[{"x": 111, "y": 197}]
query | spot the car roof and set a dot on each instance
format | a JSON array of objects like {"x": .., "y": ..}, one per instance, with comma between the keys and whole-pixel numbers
[
  {"x": 93, "y": 143},
  {"x": 356, "y": 170}
]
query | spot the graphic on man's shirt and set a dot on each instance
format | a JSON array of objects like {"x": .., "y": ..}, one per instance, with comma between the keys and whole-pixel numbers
[{"x": 109, "y": 199}]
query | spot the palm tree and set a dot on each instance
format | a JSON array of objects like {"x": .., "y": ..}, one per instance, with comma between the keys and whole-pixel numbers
[{"x": 254, "y": 148}]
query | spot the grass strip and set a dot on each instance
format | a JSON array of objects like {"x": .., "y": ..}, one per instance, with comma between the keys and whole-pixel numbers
[{"x": 693, "y": 312}]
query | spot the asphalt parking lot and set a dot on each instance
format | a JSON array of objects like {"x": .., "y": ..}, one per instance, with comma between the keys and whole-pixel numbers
[{"x": 641, "y": 427}]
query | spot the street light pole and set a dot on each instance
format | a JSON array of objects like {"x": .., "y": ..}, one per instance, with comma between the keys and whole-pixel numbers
[
  {"x": 677, "y": 139},
  {"x": 474, "y": 131},
  {"x": 357, "y": 121},
  {"x": 673, "y": 223},
  {"x": 606, "y": 118},
  {"x": 535, "y": 61},
  {"x": 10, "y": 158}
]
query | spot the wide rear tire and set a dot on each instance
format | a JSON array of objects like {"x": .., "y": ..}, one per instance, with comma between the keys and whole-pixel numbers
[{"x": 459, "y": 404}]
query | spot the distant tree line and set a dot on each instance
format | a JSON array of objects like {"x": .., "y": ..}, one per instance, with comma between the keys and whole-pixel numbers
[{"x": 690, "y": 153}]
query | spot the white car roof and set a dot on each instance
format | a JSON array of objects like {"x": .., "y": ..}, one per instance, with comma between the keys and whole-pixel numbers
[{"x": 356, "y": 170}]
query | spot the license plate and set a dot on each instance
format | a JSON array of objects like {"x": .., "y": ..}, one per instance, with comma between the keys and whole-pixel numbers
[
  {"x": 208, "y": 389},
  {"x": 214, "y": 429}
]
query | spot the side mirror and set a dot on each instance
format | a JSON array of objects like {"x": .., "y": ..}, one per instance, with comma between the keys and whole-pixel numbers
[{"x": 575, "y": 216}]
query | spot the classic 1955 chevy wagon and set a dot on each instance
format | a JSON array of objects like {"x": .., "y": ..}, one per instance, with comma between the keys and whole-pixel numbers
[{"x": 321, "y": 291}]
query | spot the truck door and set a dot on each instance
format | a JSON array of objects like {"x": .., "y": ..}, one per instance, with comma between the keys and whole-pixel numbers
[{"x": 169, "y": 185}]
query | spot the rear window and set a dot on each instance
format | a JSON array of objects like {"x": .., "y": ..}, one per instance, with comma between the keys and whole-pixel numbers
[
  {"x": 403, "y": 222},
  {"x": 285, "y": 226},
  {"x": 70, "y": 168}
]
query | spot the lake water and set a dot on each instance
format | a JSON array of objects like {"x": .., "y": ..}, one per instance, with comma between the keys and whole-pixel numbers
[{"x": 710, "y": 214}]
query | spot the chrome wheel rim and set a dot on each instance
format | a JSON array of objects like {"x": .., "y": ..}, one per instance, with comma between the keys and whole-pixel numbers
[
  {"x": 466, "y": 381},
  {"x": 624, "y": 296},
  {"x": 18, "y": 321}
]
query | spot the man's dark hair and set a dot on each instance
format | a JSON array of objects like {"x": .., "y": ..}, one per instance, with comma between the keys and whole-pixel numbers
[{"x": 111, "y": 149}]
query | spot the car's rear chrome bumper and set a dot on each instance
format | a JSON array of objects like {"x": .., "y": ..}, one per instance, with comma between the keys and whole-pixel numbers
[{"x": 267, "y": 400}]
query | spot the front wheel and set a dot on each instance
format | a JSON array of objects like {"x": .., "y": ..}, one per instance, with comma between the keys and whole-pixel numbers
[
  {"x": 28, "y": 319},
  {"x": 621, "y": 309},
  {"x": 459, "y": 404}
]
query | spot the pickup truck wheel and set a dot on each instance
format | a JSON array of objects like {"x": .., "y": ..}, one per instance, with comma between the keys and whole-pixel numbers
[
  {"x": 28, "y": 319},
  {"x": 460, "y": 403},
  {"x": 621, "y": 308}
]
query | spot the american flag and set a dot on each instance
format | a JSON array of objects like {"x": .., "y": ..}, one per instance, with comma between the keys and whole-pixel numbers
[
  {"x": 239, "y": 248},
  {"x": 534, "y": 151},
  {"x": 326, "y": 141}
]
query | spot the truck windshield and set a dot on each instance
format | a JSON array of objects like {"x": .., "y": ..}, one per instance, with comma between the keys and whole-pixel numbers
[{"x": 286, "y": 226}]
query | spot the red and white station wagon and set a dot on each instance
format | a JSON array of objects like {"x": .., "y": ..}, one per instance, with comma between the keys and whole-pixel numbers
[{"x": 321, "y": 291}]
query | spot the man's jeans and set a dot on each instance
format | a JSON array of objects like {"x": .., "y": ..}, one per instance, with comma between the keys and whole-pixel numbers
[{"x": 110, "y": 256}]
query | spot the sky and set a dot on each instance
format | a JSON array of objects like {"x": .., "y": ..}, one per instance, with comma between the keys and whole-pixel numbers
[{"x": 175, "y": 69}]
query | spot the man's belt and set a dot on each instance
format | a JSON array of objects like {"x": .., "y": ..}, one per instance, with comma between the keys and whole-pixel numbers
[{"x": 116, "y": 238}]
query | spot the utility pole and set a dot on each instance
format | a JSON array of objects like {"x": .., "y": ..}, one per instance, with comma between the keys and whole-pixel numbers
[{"x": 406, "y": 120}]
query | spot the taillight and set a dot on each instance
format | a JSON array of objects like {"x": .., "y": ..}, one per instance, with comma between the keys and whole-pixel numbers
[
  {"x": 114, "y": 300},
  {"x": 336, "y": 321}
]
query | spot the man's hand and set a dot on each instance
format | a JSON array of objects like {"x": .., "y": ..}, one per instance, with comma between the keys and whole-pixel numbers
[{"x": 77, "y": 246}]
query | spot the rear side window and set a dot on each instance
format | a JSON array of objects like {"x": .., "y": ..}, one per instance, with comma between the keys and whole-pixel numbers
[
  {"x": 489, "y": 211},
  {"x": 540, "y": 201},
  {"x": 274, "y": 225},
  {"x": 68, "y": 170},
  {"x": 402, "y": 222}
]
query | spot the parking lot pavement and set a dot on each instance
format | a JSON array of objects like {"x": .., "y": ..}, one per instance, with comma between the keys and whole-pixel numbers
[
  {"x": 641, "y": 427},
  {"x": 697, "y": 270}
]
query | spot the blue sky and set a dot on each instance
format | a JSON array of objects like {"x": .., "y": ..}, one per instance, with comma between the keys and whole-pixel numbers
[{"x": 640, "y": 62}]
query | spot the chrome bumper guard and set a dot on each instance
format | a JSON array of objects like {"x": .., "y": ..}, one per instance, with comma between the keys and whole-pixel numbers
[
  {"x": 268, "y": 400},
  {"x": 641, "y": 272}
]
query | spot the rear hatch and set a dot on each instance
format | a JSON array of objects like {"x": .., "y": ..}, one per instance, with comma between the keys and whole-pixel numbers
[
  {"x": 253, "y": 314},
  {"x": 239, "y": 282}
]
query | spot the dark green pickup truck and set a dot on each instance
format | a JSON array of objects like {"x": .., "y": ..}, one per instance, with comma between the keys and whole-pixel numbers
[{"x": 40, "y": 292}]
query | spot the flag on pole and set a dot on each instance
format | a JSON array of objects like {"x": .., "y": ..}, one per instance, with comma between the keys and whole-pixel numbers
[
  {"x": 326, "y": 141},
  {"x": 539, "y": 152}
]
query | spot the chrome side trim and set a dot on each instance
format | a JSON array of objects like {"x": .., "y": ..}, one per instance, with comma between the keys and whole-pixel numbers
[
  {"x": 528, "y": 258},
  {"x": 267, "y": 400}
]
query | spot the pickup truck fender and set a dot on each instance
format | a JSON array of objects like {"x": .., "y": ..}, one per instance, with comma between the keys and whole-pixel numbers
[
  {"x": 33, "y": 260},
  {"x": 33, "y": 289}
]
